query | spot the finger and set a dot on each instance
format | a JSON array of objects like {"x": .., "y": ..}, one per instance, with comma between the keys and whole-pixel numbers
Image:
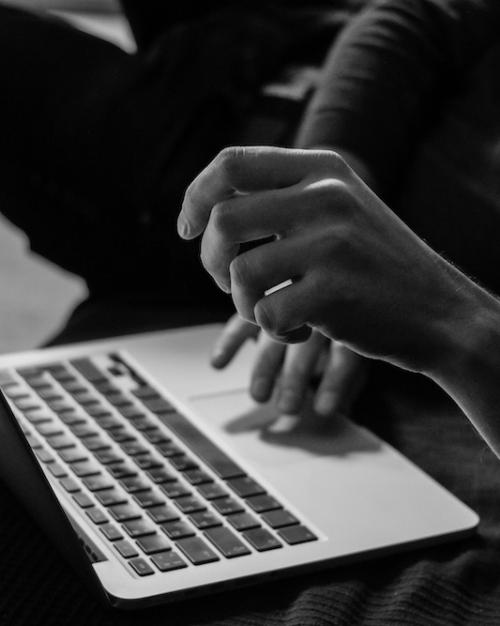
[
  {"x": 297, "y": 371},
  {"x": 262, "y": 269},
  {"x": 284, "y": 314},
  {"x": 341, "y": 380},
  {"x": 233, "y": 336},
  {"x": 245, "y": 169},
  {"x": 243, "y": 219},
  {"x": 266, "y": 368}
]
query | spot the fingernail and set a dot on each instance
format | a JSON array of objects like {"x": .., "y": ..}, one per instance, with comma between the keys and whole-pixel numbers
[
  {"x": 182, "y": 227},
  {"x": 326, "y": 403},
  {"x": 288, "y": 402},
  {"x": 259, "y": 389},
  {"x": 217, "y": 358}
]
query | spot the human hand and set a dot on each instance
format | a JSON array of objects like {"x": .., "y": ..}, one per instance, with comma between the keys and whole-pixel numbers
[
  {"x": 285, "y": 372},
  {"x": 358, "y": 273}
]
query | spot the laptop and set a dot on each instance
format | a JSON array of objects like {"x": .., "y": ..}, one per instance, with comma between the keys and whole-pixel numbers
[{"x": 160, "y": 479}]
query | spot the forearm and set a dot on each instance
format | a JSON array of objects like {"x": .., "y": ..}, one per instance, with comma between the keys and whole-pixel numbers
[
  {"x": 386, "y": 76},
  {"x": 467, "y": 363}
]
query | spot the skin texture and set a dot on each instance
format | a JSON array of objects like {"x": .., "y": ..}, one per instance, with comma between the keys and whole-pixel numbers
[
  {"x": 283, "y": 373},
  {"x": 357, "y": 274}
]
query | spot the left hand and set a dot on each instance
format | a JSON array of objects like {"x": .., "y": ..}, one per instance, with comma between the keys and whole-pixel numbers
[{"x": 285, "y": 372}]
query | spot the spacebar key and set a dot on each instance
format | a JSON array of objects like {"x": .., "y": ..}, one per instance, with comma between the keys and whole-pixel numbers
[{"x": 201, "y": 445}]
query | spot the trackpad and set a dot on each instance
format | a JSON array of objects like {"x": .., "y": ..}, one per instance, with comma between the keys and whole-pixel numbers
[{"x": 259, "y": 434}]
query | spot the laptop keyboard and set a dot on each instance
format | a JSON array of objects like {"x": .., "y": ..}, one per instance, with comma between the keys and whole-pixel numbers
[{"x": 160, "y": 492}]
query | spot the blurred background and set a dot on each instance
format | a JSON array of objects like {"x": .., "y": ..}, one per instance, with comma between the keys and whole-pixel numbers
[{"x": 36, "y": 296}]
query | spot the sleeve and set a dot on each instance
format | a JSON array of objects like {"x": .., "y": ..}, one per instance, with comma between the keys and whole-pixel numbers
[{"x": 388, "y": 75}]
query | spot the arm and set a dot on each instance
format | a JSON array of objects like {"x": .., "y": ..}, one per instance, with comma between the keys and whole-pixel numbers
[
  {"x": 387, "y": 75},
  {"x": 359, "y": 274}
]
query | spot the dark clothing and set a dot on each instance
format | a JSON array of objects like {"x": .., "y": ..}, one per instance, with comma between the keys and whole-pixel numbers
[{"x": 413, "y": 90}]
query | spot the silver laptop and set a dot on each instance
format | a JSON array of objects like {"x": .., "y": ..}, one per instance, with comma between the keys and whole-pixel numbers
[{"x": 159, "y": 478}]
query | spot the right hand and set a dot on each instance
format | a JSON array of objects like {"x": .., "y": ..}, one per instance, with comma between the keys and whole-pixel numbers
[{"x": 284, "y": 372}]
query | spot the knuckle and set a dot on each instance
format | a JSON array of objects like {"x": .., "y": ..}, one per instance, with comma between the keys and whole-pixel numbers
[
  {"x": 266, "y": 319},
  {"x": 240, "y": 271},
  {"x": 221, "y": 217},
  {"x": 229, "y": 160}
]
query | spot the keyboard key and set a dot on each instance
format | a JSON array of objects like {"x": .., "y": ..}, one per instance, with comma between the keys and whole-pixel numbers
[
  {"x": 157, "y": 404},
  {"x": 133, "y": 484},
  {"x": 56, "y": 470},
  {"x": 97, "y": 516},
  {"x": 167, "y": 561},
  {"x": 95, "y": 443},
  {"x": 40, "y": 381},
  {"x": 109, "y": 422},
  {"x": 83, "y": 500},
  {"x": 138, "y": 528},
  {"x": 162, "y": 513},
  {"x": 118, "y": 399},
  {"x": 50, "y": 393},
  {"x": 147, "y": 461},
  {"x": 85, "y": 468},
  {"x": 175, "y": 489},
  {"x": 70, "y": 455},
  {"x": 49, "y": 429},
  {"x": 145, "y": 391},
  {"x": 17, "y": 391},
  {"x": 96, "y": 483},
  {"x": 168, "y": 449},
  {"x": 197, "y": 551},
  {"x": 88, "y": 370},
  {"x": 212, "y": 491},
  {"x": 141, "y": 567},
  {"x": 59, "y": 442},
  {"x": 121, "y": 470},
  {"x": 121, "y": 435},
  {"x": 69, "y": 484},
  {"x": 73, "y": 386},
  {"x": 263, "y": 503},
  {"x": 177, "y": 530},
  {"x": 155, "y": 436},
  {"x": 189, "y": 504},
  {"x": 261, "y": 539},
  {"x": 97, "y": 410},
  {"x": 279, "y": 518},
  {"x": 126, "y": 549},
  {"x": 105, "y": 387},
  {"x": 44, "y": 456},
  {"x": 6, "y": 378},
  {"x": 27, "y": 404},
  {"x": 142, "y": 423},
  {"x": 124, "y": 512},
  {"x": 245, "y": 486},
  {"x": 33, "y": 441},
  {"x": 161, "y": 475},
  {"x": 59, "y": 372},
  {"x": 148, "y": 498},
  {"x": 133, "y": 448},
  {"x": 85, "y": 397},
  {"x": 183, "y": 462},
  {"x": 60, "y": 406},
  {"x": 226, "y": 506},
  {"x": 107, "y": 457},
  {"x": 83, "y": 430},
  {"x": 110, "y": 497},
  {"x": 197, "y": 477},
  {"x": 153, "y": 543},
  {"x": 226, "y": 542},
  {"x": 38, "y": 416},
  {"x": 110, "y": 532},
  {"x": 243, "y": 521},
  {"x": 71, "y": 417},
  {"x": 205, "y": 519},
  {"x": 297, "y": 534},
  {"x": 129, "y": 412},
  {"x": 201, "y": 445}
]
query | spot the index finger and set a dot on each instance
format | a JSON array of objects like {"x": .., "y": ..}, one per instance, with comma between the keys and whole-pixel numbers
[{"x": 246, "y": 169}]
